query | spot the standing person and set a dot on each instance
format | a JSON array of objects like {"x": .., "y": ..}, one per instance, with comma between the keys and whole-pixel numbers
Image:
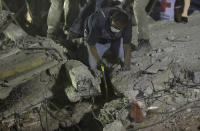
[
  {"x": 108, "y": 28},
  {"x": 140, "y": 14},
  {"x": 54, "y": 16},
  {"x": 93, "y": 5},
  {"x": 184, "y": 15},
  {"x": 181, "y": 11},
  {"x": 71, "y": 10},
  {"x": 142, "y": 22}
]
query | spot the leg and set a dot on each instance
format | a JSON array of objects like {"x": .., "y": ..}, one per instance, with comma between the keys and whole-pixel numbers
[
  {"x": 71, "y": 11},
  {"x": 141, "y": 18},
  {"x": 101, "y": 49},
  {"x": 118, "y": 50},
  {"x": 186, "y": 8},
  {"x": 54, "y": 15},
  {"x": 142, "y": 25}
]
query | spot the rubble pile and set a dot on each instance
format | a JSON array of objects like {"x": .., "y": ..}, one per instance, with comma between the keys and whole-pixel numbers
[
  {"x": 34, "y": 74},
  {"x": 41, "y": 89},
  {"x": 165, "y": 80},
  {"x": 114, "y": 110}
]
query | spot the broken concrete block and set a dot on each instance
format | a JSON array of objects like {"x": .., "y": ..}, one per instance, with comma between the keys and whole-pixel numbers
[
  {"x": 160, "y": 65},
  {"x": 160, "y": 78},
  {"x": 115, "y": 126},
  {"x": 72, "y": 94},
  {"x": 14, "y": 32},
  {"x": 115, "y": 109},
  {"x": 149, "y": 90},
  {"x": 131, "y": 94},
  {"x": 80, "y": 77},
  {"x": 196, "y": 77},
  {"x": 122, "y": 115}
]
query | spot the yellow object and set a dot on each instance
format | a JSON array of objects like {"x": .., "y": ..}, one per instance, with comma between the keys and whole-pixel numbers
[
  {"x": 28, "y": 65},
  {"x": 106, "y": 87},
  {"x": 102, "y": 68}
]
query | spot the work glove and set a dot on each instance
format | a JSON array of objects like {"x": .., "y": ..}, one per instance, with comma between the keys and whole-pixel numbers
[{"x": 126, "y": 67}]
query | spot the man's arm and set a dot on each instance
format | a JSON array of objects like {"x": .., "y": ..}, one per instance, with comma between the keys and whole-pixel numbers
[
  {"x": 127, "y": 54},
  {"x": 127, "y": 38},
  {"x": 94, "y": 53}
]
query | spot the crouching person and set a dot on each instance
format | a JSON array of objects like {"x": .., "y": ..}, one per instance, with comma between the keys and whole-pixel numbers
[{"x": 108, "y": 28}]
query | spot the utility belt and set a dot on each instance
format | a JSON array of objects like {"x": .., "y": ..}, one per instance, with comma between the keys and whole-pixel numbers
[{"x": 104, "y": 41}]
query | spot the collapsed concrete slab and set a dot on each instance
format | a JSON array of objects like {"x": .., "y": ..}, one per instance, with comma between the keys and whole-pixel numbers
[
  {"x": 34, "y": 73},
  {"x": 83, "y": 82},
  {"x": 14, "y": 32}
]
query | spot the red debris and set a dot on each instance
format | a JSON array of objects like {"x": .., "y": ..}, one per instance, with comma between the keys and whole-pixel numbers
[{"x": 136, "y": 112}]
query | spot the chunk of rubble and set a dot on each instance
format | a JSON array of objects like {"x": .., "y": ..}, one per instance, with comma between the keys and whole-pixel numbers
[
  {"x": 196, "y": 77},
  {"x": 14, "y": 32},
  {"x": 83, "y": 82},
  {"x": 147, "y": 83},
  {"x": 72, "y": 94},
  {"x": 114, "y": 110},
  {"x": 115, "y": 126}
]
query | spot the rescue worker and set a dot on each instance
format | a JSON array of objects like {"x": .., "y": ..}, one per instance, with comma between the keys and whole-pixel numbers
[
  {"x": 71, "y": 11},
  {"x": 142, "y": 22},
  {"x": 139, "y": 11},
  {"x": 77, "y": 28},
  {"x": 108, "y": 28},
  {"x": 54, "y": 16}
]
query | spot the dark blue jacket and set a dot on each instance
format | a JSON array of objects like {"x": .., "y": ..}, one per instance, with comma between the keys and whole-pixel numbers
[{"x": 98, "y": 28}]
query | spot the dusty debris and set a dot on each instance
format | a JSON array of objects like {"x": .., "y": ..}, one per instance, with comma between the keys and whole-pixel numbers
[
  {"x": 4, "y": 16},
  {"x": 14, "y": 33},
  {"x": 164, "y": 82},
  {"x": 33, "y": 73},
  {"x": 83, "y": 82},
  {"x": 114, "y": 110},
  {"x": 115, "y": 126}
]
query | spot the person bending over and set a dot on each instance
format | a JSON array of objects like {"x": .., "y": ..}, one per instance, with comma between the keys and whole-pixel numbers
[{"x": 108, "y": 28}]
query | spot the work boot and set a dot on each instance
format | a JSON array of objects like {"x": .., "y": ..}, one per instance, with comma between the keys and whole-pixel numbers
[{"x": 144, "y": 45}]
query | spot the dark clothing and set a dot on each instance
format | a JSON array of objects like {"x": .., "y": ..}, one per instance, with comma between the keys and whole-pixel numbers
[
  {"x": 92, "y": 6},
  {"x": 98, "y": 28}
]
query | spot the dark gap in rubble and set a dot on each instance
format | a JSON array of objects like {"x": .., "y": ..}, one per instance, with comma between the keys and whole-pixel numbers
[
  {"x": 59, "y": 98},
  {"x": 14, "y": 96},
  {"x": 37, "y": 10},
  {"x": 88, "y": 123},
  {"x": 77, "y": 51}
]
